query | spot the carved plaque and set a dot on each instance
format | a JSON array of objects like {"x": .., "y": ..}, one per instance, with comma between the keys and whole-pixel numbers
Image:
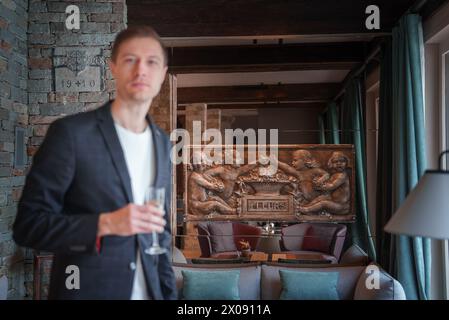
[
  {"x": 78, "y": 69},
  {"x": 260, "y": 205},
  {"x": 305, "y": 183}
]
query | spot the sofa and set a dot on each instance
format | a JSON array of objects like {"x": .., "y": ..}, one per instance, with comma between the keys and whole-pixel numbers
[
  {"x": 223, "y": 238},
  {"x": 261, "y": 281},
  {"x": 322, "y": 239}
]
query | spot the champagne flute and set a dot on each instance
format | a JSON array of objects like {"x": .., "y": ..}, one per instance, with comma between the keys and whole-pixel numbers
[{"x": 157, "y": 197}]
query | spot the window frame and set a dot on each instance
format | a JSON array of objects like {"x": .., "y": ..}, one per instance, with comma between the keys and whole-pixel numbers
[{"x": 444, "y": 94}]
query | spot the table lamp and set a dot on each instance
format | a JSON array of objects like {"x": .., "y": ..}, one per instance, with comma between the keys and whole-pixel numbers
[{"x": 425, "y": 211}]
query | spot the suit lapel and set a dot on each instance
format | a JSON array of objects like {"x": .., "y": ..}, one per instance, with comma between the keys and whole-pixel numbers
[
  {"x": 106, "y": 124},
  {"x": 159, "y": 151}
]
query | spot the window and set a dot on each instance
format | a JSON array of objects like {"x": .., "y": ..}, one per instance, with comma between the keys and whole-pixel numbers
[
  {"x": 444, "y": 52},
  {"x": 446, "y": 101},
  {"x": 436, "y": 36}
]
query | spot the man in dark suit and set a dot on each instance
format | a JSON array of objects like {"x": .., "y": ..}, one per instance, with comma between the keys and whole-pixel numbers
[{"x": 83, "y": 197}]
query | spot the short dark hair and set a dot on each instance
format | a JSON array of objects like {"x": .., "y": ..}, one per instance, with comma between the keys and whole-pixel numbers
[{"x": 139, "y": 31}]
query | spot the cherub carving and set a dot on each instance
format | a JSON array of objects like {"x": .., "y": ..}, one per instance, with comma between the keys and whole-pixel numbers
[
  {"x": 305, "y": 168},
  {"x": 336, "y": 200},
  {"x": 202, "y": 185}
]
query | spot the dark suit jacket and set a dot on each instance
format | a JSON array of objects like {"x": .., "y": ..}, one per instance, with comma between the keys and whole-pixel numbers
[{"x": 79, "y": 172}]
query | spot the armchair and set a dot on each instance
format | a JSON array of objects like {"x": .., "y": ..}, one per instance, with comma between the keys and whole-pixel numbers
[
  {"x": 223, "y": 238},
  {"x": 325, "y": 239}
]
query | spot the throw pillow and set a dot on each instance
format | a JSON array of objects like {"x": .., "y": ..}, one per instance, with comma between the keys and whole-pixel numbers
[
  {"x": 222, "y": 236},
  {"x": 388, "y": 289},
  {"x": 355, "y": 255},
  {"x": 300, "y": 285},
  {"x": 211, "y": 285},
  {"x": 319, "y": 238}
]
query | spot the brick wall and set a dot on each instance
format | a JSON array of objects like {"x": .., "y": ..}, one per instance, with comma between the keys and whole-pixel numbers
[
  {"x": 49, "y": 42},
  {"x": 13, "y": 113},
  {"x": 37, "y": 52},
  {"x": 164, "y": 106},
  {"x": 33, "y": 42},
  {"x": 48, "y": 36}
]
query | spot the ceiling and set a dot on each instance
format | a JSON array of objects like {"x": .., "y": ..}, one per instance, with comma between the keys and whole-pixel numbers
[
  {"x": 262, "y": 51},
  {"x": 224, "y": 18}
]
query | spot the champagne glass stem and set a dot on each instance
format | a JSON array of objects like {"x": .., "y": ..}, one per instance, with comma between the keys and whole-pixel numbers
[
  {"x": 157, "y": 195},
  {"x": 155, "y": 239}
]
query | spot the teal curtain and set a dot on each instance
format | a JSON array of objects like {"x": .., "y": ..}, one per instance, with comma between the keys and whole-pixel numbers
[
  {"x": 322, "y": 127},
  {"x": 332, "y": 121},
  {"x": 412, "y": 255},
  {"x": 328, "y": 123},
  {"x": 353, "y": 132},
  {"x": 384, "y": 195}
]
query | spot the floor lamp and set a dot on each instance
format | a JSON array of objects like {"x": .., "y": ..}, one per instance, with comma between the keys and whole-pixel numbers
[{"x": 425, "y": 211}]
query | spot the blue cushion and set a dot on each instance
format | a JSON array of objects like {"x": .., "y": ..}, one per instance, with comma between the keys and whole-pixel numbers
[
  {"x": 211, "y": 285},
  {"x": 300, "y": 285}
]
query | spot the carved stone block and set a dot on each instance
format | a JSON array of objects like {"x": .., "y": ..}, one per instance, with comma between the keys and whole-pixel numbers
[
  {"x": 306, "y": 183},
  {"x": 78, "y": 69}
]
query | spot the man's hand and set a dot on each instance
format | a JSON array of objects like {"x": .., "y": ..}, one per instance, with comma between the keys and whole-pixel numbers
[{"x": 131, "y": 220}]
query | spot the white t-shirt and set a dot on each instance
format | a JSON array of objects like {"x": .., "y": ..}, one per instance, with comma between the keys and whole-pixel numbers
[{"x": 139, "y": 156}]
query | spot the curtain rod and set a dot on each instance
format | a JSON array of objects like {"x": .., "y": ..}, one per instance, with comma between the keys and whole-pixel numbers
[
  {"x": 355, "y": 72},
  {"x": 415, "y": 8}
]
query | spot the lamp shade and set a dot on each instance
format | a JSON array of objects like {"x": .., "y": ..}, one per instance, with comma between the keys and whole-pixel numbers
[{"x": 425, "y": 211}]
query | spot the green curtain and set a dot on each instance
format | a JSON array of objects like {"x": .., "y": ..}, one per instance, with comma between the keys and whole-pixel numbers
[
  {"x": 332, "y": 121},
  {"x": 328, "y": 123},
  {"x": 353, "y": 132},
  {"x": 322, "y": 126},
  {"x": 384, "y": 195},
  {"x": 412, "y": 261}
]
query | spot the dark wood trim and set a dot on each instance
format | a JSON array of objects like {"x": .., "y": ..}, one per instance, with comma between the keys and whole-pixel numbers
[
  {"x": 246, "y": 106},
  {"x": 38, "y": 260},
  {"x": 260, "y": 93},
  {"x": 206, "y": 18},
  {"x": 431, "y": 7},
  {"x": 370, "y": 60},
  {"x": 329, "y": 56},
  {"x": 263, "y": 67}
]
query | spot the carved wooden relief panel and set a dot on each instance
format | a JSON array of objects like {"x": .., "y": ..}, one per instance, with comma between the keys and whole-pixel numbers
[{"x": 310, "y": 183}]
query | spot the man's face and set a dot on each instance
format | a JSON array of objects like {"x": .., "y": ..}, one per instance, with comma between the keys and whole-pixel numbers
[{"x": 139, "y": 70}]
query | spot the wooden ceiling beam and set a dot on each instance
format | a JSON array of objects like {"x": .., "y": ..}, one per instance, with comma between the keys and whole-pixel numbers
[
  {"x": 329, "y": 56},
  {"x": 259, "y": 94},
  {"x": 210, "y": 18},
  {"x": 250, "y": 106}
]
